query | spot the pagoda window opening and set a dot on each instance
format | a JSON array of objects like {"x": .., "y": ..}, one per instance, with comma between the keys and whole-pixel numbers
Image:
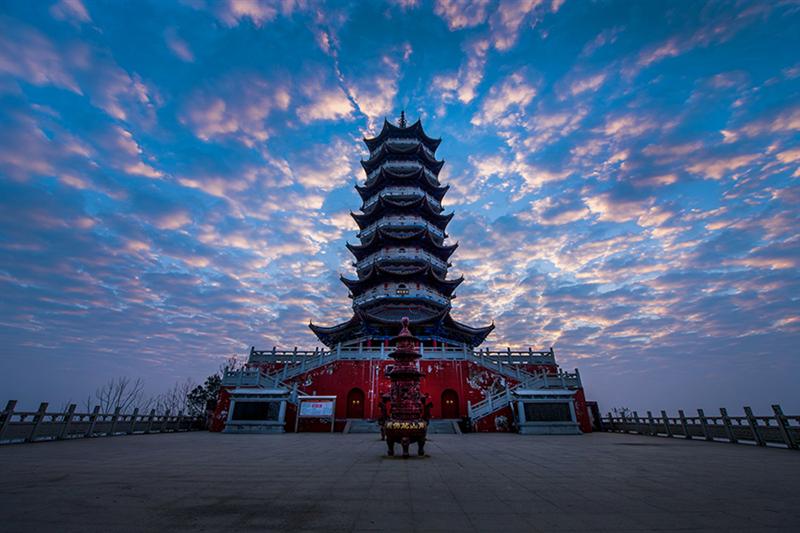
[{"x": 402, "y": 290}]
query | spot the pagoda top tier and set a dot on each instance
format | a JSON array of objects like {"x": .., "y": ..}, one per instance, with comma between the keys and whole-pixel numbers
[
  {"x": 402, "y": 131},
  {"x": 402, "y": 254}
]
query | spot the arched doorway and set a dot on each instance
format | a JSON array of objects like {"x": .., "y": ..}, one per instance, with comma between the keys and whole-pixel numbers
[
  {"x": 450, "y": 404},
  {"x": 355, "y": 403}
]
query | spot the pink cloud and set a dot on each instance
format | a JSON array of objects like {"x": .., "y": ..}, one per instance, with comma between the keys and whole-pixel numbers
[
  {"x": 178, "y": 46},
  {"x": 590, "y": 83},
  {"x": 461, "y": 14},
  {"x": 72, "y": 10},
  {"x": 717, "y": 168},
  {"x": 27, "y": 54},
  {"x": 237, "y": 106}
]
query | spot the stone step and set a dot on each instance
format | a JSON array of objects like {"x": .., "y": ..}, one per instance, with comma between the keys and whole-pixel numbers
[
  {"x": 363, "y": 426},
  {"x": 442, "y": 427}
]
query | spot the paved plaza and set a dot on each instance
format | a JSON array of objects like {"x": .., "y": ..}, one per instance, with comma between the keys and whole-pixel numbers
[{"x": 334, "y": 482}]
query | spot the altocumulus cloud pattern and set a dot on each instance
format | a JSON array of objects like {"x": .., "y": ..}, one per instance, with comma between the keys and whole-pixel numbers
[{"x": 177, "y": 177}]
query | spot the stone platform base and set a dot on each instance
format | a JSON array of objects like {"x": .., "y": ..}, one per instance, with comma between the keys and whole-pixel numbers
[
  {"x": 254, "y": 428},
  {"x": 544, "y": 428}
]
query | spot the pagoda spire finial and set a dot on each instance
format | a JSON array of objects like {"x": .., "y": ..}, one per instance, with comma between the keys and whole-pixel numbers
[{"x": 403, "y": 118}]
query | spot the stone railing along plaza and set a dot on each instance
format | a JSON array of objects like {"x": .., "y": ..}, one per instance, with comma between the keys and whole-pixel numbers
[
  {"x": 761, "y": 430},
  {"x": 41, "y": 425}
]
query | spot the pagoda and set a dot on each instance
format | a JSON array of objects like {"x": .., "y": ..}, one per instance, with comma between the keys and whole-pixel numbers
[{"x": 402, "y": 258}]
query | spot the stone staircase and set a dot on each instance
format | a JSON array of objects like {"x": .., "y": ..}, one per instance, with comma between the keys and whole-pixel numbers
[
  {"x": 525, "y": 380},
  {"x": 255, "y": 377},
  {"x": 443, "y": 427},
  {"x": 354, "y": 425}
]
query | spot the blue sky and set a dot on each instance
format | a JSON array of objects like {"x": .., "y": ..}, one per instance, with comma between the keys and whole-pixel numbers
[{"x": 176, "y": 181}]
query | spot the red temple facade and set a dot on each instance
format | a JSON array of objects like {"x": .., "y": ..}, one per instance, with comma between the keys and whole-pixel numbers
[{"x": 401, "y": 264}]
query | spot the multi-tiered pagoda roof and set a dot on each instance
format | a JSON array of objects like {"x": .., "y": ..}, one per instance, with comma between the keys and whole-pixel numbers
[{"x": 402, "y": 258}]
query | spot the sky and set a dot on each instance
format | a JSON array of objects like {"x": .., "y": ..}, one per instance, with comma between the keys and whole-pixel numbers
[{"x": 176, "y": 180}]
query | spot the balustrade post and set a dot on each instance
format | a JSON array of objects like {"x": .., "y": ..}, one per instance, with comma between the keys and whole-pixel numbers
[
  {"x": 178, "y": 421},
  {"x": 7, "y": 414},
  {"x": 684, "y": 425},
  {"x": 37, "y": 420},
  {"x": 665, "y": 418},
  {"x": 114, "y": 419},
  {"x": 469, "y": 409},
  {"x": 508, "y": 356},
  {"x": 67, "y": 419},
  {"x": 636, "y": 422},
  {"x": 92, "y": 421},
  {"x": 132, "y": 427},
  {"x": 651, "y": 424},
  {"x": 489, "y": 398},
  {"x": 163, "y": 427},
  {"x": 704, "y": 425},
  {"x": 726, "y": 421},
  {"x": 150, "y": 420},
  {"x": 783, "y": 427},
  {"x": 611, "y": 422},
  {"x": 753, "y": 422}
]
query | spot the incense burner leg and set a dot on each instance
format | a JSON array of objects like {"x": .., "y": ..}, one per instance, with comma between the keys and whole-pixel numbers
[
  {"x": 405, "y": 443},
  {"x": 421, "y": 447},
  {"x": 390, "y": 445}
]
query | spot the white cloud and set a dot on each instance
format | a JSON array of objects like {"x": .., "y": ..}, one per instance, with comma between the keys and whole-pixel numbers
[
  {"x": 512, "y": 92},
  {"x": 464, "y": 84},
  {"x": 231, "y": 12},
  {"x": 326, "y": 105},
  {"x": 506, "y": 22}
]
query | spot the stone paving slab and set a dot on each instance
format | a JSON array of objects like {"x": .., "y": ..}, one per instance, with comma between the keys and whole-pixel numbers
[{"x": 335, "y": 482}]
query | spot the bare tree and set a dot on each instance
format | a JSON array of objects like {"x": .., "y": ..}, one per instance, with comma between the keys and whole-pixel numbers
[
  {"x": 175, "y": 399},
  {"x": 122, "y": 392},
  {"x": 231, "y": 363}
]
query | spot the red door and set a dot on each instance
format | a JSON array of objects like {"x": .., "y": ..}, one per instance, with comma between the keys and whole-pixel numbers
[
  {"x": 355, "y": 403},
  {"x": 450, "y": 404}
]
